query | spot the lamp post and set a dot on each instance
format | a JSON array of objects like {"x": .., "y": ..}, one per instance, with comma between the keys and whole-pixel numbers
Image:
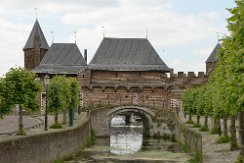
[{"x": 46, "y": 82}]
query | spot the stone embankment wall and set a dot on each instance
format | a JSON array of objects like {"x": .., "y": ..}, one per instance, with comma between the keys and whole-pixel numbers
[
  {"x": 45, "y": 147},
  {"x": 191, "y": 139}
]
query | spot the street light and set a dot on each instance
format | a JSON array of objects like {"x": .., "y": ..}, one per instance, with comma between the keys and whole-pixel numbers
[{"x": 46, "y": 82}]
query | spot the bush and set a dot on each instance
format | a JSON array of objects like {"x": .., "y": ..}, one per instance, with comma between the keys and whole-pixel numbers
[
  {"x": 56, "y": 126},
  {"x": 20, "y": 132},
  {"x": 197, "y": 158},
  {"x": 189, "y": 122},
  {"x": 196, "y": 126},
  {"x": 240, "y": 159},
  {"x": 214, "y": 131},
  {"x": 204, "y": 129},
  {"x": 223, "y": 139}
]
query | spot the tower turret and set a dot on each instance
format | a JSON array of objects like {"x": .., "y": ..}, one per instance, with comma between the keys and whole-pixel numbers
[{"x": 35, "y": 47}]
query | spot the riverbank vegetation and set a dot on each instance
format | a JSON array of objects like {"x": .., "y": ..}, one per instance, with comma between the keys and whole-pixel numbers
[{"x": 222, "y": 97}]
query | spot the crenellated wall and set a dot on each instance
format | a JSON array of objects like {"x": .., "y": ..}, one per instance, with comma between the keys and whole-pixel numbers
[{"x": 145, "y": 88}]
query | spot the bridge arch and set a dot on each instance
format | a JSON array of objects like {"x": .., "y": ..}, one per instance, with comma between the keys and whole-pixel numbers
[
  {"x": 145, "y": 113},
  {"x": 101, "y": 118}
]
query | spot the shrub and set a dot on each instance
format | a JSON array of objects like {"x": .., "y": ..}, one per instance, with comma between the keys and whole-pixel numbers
[
  {"x": 189, "y": 122},
  {"x": 196, "y": 126},
  {"x": 239, "y": 159},
  {"x": 56, "y": 126},
  {"x": 223, "y": 139},
  {"x": 204, "y": 129},
  {"x": 197, "y": 158}
]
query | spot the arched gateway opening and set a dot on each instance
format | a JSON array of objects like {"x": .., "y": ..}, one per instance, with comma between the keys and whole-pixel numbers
[
  {"x": 128, "y": 137},
  {"x": 130, "y": 114},
  {"x": 128, "y": 125}
]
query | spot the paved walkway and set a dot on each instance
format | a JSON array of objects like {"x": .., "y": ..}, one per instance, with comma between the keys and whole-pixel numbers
[
  {"x": 212, "y": 152},
  {"x": 9, "y": 124},
  {"x": 33, "y": 125}
]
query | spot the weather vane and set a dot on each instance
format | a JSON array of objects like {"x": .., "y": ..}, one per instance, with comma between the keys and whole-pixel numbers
[
  {"x": 36, "y": 12},
  {"x": 146, "y": 32},
  {"x": 217, "y": 36},
  {"x": 103, "y": 31},
  {"x": 75, "y": 35},
  {"x": 52, "y": 33}
]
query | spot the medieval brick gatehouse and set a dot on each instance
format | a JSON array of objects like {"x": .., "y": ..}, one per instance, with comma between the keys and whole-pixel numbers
[{"x": 122, "y": 71}]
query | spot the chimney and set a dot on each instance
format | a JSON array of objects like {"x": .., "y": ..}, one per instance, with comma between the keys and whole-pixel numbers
[{"x": 85, "y": 55}]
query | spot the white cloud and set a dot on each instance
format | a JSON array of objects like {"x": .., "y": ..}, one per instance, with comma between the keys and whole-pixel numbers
[
  {"x": 188, "y": 66},
  {"x": 167, "y": 28},
  {"x": 203, "y": 52}
]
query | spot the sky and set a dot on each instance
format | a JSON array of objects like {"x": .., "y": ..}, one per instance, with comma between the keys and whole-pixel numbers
[{"x": 183, "y": 32}]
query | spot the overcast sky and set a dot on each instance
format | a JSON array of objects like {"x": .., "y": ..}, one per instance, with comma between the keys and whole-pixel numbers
[{"x": 183, "y": 32}]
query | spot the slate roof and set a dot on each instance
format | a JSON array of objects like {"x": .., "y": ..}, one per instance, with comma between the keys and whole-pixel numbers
[
  {"x": 127, "y": 54},
  {"x": 213, "y": 56},
  {"x": 36, "y": 33},
  {"x": 62, "y": 58}
]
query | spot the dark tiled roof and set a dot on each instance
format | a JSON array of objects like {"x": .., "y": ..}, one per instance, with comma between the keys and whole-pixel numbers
[
  {"x": 62, "y": 58},
  {"x": 52, "y": 69},
  {"x": 213, "y": 56},
  {"x": 36, "y": 33},
  {"x": 127, "y": 54}
]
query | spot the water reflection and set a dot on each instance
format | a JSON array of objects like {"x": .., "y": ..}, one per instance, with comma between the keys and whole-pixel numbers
[{"x": 126, "y": 139}]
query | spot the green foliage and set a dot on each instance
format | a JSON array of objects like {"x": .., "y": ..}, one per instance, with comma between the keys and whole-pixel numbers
[
  {"x": 223, "y": 139},
  {"x": 240, "y": 159},
  {"x": 20, "y": 133},
  {"x": 196, "y": 126},
  {"x": 57, "y": 98},
  {"x": 188, "y": 99},
  {"x": 214, "y": 130},
  {"x": 56, "y": 126},
  {"x": 189, "y": 122},
  {"x": 19, "y": 87},
  {"x": 74, "y": 93},
  {"x": 204, "y": 129},
  {"x": 91, "y": 140},
  {"x": 197, "y": 158}
]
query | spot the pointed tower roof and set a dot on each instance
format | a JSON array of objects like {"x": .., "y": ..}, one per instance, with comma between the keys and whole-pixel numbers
[
  {"x": 36, "y": 33},
  {"x": 213, "y": 56},
  {"x": 127, "y": 54}
]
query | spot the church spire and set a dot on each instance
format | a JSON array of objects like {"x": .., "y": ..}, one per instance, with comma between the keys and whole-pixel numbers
[
  {"x": 35, "y": 47},
  {"x": 36, "y": 38}
]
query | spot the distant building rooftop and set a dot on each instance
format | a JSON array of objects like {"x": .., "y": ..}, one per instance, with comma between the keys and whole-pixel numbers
[
  {"x": 213, "y": 56},
  {"x": 36, "y": 35},
  {"x": 127, "y": 54},
  {"x": 62, "y": 58}
]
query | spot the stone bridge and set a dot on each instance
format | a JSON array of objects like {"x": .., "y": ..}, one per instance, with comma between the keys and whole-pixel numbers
[{"x": 101, "y": 119}]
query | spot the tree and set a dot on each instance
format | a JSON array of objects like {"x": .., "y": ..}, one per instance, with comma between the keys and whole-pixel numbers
[
  {"x": 56, "y": 97},
  {"x": 20, "y": 87},
  {"x": 188, "y": 98},
  {"x": 199, "y": 103},
  {"x": 5, "y": 107},
  {"x": 74, "y": 98},
  {"x": 236, "y": 67},
  {"x": 67, "y": 98}
]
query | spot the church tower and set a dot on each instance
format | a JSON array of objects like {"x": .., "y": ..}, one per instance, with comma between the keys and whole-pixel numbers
[{"x": 35, "y": 47}]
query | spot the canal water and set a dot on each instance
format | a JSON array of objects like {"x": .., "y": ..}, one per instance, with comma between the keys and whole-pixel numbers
[{"x": 127, "y": 141}]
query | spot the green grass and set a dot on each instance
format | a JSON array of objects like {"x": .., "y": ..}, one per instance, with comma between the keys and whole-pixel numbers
[
  {"x": 223, "y": 139},
  {"x": 56, "y": 126}
]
